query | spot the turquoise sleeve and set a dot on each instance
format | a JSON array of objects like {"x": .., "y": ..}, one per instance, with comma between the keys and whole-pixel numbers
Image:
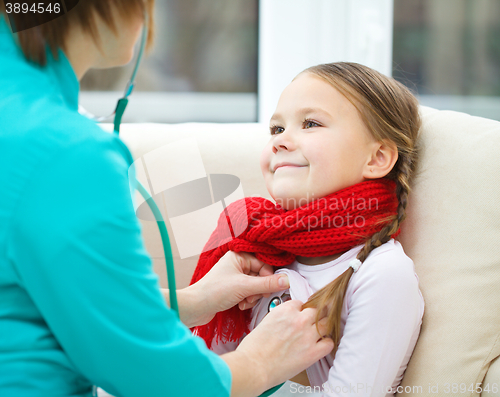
[{"x": 89, "y": 275}]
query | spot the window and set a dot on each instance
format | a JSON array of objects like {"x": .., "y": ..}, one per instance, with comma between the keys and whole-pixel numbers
[
  {"x": 211, "y": 57},
  {"x": 203, "y": 66},
  {"x": 449, "y": 52}
]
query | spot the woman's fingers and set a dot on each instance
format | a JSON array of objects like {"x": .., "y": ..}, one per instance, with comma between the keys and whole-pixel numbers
[
  {"x": 322, "y": 327},
  {"x": 311, "y": 314},
  {"x": 266, "y": 270},
  {"x": 323, "y": 347},
  {"x": 252, "y": 266},
  {"x": 249, "y": 302}
]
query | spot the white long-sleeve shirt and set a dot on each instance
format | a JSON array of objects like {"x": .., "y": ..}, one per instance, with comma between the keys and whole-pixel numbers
[{"x": 380, "y": 321}]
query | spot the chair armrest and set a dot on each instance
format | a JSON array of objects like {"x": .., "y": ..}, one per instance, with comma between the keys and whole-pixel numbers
[{"x": 492, "y": 379}]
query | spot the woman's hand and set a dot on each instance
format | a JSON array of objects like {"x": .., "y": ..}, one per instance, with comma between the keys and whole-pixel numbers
[
  {"x": 236, "y": 279},
  {"x": 241, "y": 279},
  {"x": 282, "y": 345}
]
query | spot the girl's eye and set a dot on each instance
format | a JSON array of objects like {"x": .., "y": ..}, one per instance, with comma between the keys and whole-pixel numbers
[
  {"x": 310, "y": 124},
  {"x": 276, "y": 130}
]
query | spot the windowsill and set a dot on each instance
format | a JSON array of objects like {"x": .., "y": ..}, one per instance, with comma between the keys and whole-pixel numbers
[{"x": 175, "y": 107}]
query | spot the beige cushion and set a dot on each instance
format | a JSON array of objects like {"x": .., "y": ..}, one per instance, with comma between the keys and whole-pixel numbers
[{"x": 452, "y": 233}]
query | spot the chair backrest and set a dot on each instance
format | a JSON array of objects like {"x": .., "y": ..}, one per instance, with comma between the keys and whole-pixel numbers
[{"x": 452, "y": 233}]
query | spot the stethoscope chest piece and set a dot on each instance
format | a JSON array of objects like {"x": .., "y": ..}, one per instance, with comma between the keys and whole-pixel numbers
[{"x": 278, "y": 300}]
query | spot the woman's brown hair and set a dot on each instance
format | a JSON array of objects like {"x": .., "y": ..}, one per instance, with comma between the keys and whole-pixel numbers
[
  {"x": 34, "y": 41},
  {"x": 391, "y": 113}
]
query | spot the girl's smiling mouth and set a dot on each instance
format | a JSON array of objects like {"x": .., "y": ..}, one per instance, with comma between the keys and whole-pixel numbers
[{"x": 287, "y": 165}]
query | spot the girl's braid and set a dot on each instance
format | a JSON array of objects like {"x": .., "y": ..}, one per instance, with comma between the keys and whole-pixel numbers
[{"x": 402, "y": 176}]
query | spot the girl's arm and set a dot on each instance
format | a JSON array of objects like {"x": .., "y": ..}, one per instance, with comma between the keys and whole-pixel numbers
[{"x": 384, "y": 312}]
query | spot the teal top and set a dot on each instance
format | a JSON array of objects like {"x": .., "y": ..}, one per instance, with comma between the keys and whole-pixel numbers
[{"x": 79, "y": 302}]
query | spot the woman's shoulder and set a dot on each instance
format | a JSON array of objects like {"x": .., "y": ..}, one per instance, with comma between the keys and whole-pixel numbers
[
  {"x": 71, "y": 148},
  {"x": 76, "y": 132},
  {"x": 45, "y": 126},
  {"x": 73, "y": 136}
]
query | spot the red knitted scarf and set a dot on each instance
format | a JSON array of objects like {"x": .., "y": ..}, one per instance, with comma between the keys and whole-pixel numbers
[{"x": 326, "y": 226}]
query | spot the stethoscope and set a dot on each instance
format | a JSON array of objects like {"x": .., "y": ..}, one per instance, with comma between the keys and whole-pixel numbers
[{"x": 167, "y": 249}]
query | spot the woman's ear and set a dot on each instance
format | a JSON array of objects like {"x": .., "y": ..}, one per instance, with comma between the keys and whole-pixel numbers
[{"x": 383, "y": 157}]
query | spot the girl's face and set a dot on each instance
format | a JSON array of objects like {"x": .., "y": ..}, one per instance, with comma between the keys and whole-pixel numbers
[{"x": 319, "y": 144}]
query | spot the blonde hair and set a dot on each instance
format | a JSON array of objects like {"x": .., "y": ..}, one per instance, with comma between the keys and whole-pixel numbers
[{"x": 390, "y": 112}]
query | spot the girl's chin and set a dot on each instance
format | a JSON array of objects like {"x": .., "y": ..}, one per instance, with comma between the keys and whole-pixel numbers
[{"x": 291, "y": 202}]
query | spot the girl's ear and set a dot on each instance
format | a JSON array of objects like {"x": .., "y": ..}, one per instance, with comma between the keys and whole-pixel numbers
[{"x": 382, "y": 160}]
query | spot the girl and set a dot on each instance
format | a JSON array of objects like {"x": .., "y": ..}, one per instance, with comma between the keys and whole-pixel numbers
[{"x": 342, "y": 151}]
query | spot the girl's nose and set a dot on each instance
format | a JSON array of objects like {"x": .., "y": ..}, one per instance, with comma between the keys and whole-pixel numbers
[{"x": 283, "y": 141}]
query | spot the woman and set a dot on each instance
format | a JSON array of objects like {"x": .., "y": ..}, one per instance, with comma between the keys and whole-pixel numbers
[{"x": 79, "y": 304}]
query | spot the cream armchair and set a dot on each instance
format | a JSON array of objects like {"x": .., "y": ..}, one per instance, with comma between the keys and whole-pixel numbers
[{"x": 452, "y": 233}]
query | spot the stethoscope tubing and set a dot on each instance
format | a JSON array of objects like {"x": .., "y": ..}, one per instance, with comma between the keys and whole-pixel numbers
[{"x": 167, "y": 249}]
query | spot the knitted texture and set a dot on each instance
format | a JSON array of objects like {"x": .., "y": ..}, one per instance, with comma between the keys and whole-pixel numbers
[{"x": 325, "y": 226}]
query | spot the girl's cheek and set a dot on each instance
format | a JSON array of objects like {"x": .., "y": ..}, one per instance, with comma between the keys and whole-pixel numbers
[{"x": 265, "y": 158}]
